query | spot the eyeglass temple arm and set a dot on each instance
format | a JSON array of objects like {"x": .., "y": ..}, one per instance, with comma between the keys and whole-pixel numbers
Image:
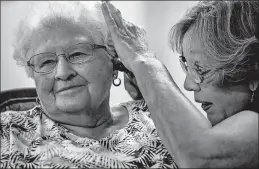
[
  {"x": 182, "y": 58},
  {"x": 95, "y": 46},
  {"x": 28, "y": 63}
]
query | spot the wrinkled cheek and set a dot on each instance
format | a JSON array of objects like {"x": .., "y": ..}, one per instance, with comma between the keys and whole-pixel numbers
[
  {"x": 99, "y": 72},
  {"x": 44, "y": 86},
  {"x": 100, "y": 81},
  {"x": 101, "y": 78}
]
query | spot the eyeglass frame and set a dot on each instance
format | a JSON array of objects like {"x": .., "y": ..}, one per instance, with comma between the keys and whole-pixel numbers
[
  {"x": 195, "y": 76},
  {"x": 94, "y": 46}
]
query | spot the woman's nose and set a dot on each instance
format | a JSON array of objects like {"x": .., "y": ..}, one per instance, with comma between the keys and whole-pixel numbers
[
  {"x": 190, "y": 84},
  {"x": 64, "y": 70}
]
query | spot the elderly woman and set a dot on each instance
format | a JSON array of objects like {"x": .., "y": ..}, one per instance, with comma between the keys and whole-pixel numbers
[
  {"x": 65, "y": 50},
  {"x": 219, "y": 53}
]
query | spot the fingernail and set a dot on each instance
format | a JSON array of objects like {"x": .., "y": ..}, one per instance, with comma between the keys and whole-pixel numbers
[
  {"x": 105, "y": 5},
  {"x": 128, "y": 75},
  {"x": 133, "y": 94}
]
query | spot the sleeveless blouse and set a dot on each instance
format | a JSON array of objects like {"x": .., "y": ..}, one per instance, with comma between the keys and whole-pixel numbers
[{"x": 29, "y": 142}]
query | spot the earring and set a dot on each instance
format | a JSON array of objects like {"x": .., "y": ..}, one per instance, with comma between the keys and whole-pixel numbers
[
  {"x": 252, "y": 97},
  {"x": 115, "y": 78}
]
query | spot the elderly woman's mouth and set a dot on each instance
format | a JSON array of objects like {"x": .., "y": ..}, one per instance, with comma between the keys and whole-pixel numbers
[{"x": 69, "y": 89}]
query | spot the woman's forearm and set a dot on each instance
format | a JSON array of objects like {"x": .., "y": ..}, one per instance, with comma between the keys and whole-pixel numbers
[{"x": 178, "y": 121}]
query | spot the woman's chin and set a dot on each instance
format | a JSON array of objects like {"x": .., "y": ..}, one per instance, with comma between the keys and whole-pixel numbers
[
  {"x": 72, "y": 104},
  {"x": 73, "y": 108},
  {"x": 214, "y": 118}
]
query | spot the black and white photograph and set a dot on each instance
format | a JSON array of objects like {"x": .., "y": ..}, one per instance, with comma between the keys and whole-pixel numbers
[{"x": 129, "y": 84}]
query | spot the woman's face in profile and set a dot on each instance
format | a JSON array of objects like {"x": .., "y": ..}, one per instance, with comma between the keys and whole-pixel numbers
[
  {"x": 72, "y": 87},
  {"x": 218, "y": 103}
]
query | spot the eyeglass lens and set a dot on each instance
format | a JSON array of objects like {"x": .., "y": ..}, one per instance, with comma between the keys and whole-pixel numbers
[
  {"x": 186, "y": 70},
  {"x": 46, "y": 62}
]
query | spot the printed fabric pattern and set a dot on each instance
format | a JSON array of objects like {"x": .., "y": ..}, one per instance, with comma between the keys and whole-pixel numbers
[{"x": 29, "y": 142}]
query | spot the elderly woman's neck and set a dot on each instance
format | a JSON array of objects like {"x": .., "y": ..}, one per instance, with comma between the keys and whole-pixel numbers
[
  {"x": 95, "y": 124},
  {"x": 92, "y": 122},
  {"x": 93, "y": 131}
]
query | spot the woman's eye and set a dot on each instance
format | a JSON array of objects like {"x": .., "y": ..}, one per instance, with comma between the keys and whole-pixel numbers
[
  {"x": 199, "y": 69},
  {"x": 78, "y": 54},
  {"x": 47, "y": 62},
  {"x": 202, "y": 72},
  {"x": 79, "y": 57}
]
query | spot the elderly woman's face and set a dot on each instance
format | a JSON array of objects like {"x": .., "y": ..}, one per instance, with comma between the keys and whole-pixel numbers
[
  {"x": 218, "y": 103},
  {"x": 71, "y": 87}
]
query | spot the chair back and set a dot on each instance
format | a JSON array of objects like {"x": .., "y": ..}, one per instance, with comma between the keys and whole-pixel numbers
[{"x": 20, "y": 99}]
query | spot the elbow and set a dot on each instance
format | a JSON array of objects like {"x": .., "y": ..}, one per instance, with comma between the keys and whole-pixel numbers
[
  {"x": 193, "y": 161},
  {"x": 197, "y": 162},
  {"x": 193, "y": 155}
]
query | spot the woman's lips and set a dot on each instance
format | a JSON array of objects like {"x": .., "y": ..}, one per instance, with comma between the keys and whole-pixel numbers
[
  {"x": 68, "y": 89},
  {"x": 206, "y": 106}
]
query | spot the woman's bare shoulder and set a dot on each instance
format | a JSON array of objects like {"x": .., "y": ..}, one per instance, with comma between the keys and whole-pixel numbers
[
  {"x": 241, "y": 129},
  {"x": 245, "y": 119},
  {"x": 232, "y": 142}
]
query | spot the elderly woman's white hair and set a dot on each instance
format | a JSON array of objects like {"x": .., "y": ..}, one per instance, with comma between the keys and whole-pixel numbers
[{"x": 44, "y": 15}]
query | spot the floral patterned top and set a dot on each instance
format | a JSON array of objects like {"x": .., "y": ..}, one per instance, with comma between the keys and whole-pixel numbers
[{"x": 29, "y": 142}]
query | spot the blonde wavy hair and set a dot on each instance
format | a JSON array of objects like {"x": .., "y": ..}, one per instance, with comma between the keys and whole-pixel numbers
[
  {"x": 46, "y": 15},
  {"x": 227, "y": 32}
]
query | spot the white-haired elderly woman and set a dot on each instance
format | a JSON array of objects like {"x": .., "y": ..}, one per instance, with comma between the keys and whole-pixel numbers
[
  {"x": 65, "y": 50},
  {"x": 220, "y": 55}
]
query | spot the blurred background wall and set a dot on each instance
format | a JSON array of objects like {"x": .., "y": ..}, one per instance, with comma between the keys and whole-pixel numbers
[{"x": 157, "y": 17}]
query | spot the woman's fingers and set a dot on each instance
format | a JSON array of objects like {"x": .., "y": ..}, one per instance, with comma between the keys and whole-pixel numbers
[
  {"x": 132, "y": 91},
  {"x": 129, "y": 41},
  {"x": 131, "y": 87},
  {"x": 131, "y": 28},
  {"x": 116, "y": 15},
  {"x": 109, "y": 20}
]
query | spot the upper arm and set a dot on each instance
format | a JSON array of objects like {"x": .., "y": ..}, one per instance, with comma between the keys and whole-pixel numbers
[{"x": 231, "y": 143}]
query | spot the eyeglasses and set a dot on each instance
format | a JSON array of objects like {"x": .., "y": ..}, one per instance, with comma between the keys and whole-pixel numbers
[
  {"x": 77, "y": 54},
  {"x": 196, "y": 77}
]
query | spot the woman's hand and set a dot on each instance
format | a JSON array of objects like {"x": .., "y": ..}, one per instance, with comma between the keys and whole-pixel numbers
[
  {"x": 129, "y": 40},
  {"x": 131, "y": 87}
]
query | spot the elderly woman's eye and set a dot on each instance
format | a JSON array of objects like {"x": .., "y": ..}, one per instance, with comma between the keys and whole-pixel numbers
[
  {"x": 47, "y": 62},
  {"x": 79, "y": 56}
]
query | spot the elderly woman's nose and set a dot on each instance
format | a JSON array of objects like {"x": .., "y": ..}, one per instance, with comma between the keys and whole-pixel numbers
[
  {"x": 190, "y": 84},
  {"x": 64, "y": 70}
]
